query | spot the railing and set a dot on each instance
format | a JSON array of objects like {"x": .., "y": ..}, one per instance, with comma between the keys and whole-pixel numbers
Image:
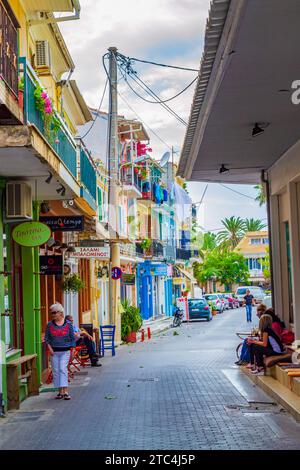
[
  {"x": 8, "y": 51},
  {"x": 88, "y": 176},
  {"x": 63, "y": 143},
  {"x": 157, "y": 249},
  {"x": 170, "y": 253},
  {"x": 130, "y": 178},
  {"x": 183, "y": 254},
  {"x": 139, "y": 250}
]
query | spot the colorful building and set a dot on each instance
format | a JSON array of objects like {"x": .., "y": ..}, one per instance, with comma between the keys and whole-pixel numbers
[{"x": 254, "y": 247}]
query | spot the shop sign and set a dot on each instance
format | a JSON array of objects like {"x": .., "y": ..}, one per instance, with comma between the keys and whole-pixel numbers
[
  {"x": 64, "y": 223},
  {"x": 31, "y": 234},
  {"x": 177, "y": 281},
  {"x": 50, "y": 265},
  {"x": 128, "y": 279},
  {"x": 116, "y": 273},
  {"x": 160, "y": 270},
  {"x": 102, "y": 252}
]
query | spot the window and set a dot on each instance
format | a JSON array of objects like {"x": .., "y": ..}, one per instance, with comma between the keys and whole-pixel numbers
[
  {"x": 255, "y": 241},
  {"x": 265, "y": 241}
]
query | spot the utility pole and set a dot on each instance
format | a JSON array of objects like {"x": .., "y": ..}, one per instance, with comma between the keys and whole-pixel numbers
[{"x": 114, "y": 188}]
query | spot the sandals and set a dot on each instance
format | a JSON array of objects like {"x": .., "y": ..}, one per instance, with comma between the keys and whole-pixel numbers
[
  {"x": 66, "y": 396},
  {"x": 59, "y": 396}
]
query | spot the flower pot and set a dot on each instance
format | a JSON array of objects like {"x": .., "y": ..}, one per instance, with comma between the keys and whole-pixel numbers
[
  {"x": 21, "y": 98},
  {"x": 214, "y": 312},
  {"x": 131, "y": 337}
]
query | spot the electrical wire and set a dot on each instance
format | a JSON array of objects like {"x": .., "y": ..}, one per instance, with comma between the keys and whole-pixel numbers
[
  {"x": 98, "y": 111},
  {"x": 160, "y": 101},
  {"x": 237, "y": 192},
  {"x": 155, "y": 63},
  {"x": 166, "y": 107},
  {"x": 146, "y": 125}
]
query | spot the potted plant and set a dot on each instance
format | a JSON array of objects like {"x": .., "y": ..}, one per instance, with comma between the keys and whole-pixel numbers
[
  {"x": 146, "y": 244},
  {"x": 213, "y": 311},
  {"x": 44, "y": 104},
  {"x": 72, "y": 283},
  {"x": 131, "y": 322}
]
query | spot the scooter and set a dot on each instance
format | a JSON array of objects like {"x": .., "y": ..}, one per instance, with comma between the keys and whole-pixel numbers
[{"x": 178, "y": 316}]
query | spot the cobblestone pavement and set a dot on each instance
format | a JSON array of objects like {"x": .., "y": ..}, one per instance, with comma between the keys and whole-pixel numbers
[{"x": 172, "y": 392}]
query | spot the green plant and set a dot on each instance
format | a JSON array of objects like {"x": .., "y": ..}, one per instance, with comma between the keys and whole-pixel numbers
[
  {"x": 145, "y": 244},
  {"x": 44, "y": 104},
  {"x": 72, "y": 283},
  {"x": 131, "y": 320},
  {"x": 21, "y": 84}
]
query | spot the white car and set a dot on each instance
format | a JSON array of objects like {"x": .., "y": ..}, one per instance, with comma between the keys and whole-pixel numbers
[
  {"x": 257, "y": 293},
  {"x": 268, "y": 301}
]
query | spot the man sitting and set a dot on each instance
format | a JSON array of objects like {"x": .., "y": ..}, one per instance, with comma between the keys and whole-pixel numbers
[{"x": 88, "y": 340}]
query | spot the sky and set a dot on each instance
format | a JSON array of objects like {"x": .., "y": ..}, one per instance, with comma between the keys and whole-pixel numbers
[{"x": 164, "y": 31}]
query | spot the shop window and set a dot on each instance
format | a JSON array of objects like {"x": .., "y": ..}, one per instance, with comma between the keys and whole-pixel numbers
[{"x": 85, "y": 293}]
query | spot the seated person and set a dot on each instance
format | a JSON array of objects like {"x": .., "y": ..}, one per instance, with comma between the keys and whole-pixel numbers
[
  {"x": 245, "y": 352},
  {"x": 277, "y": 324},
  {"x": 88, "y": 340},
  {"x": 269, "y": 344}
]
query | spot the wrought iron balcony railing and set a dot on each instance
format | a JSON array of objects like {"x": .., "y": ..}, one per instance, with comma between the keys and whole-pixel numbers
[
  {"x": 182, "y": 254},
  {"x": 8, "y": 51}
]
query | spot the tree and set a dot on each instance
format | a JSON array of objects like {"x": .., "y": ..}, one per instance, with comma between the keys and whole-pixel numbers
[
  {"x": 266, "y": 266},
  {"x": 209, "y": 242},
  {"x": 233, "y": 233},
  {"x": 253, "y": 225},
  {"x": 225, "y": 267},
  {"x": 261, "y": 196}
]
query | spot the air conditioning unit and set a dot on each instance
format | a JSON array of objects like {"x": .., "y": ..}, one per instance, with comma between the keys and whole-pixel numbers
[
  {"x": 42, "y": 57},
  {"x": 18, "y": 200}
]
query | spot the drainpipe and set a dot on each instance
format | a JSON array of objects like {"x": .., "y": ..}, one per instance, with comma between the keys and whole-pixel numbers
[
  {"x": 265, "y": 181},
  {"x": 52, "y": 19}
]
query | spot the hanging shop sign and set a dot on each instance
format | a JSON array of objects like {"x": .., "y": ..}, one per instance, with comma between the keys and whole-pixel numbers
[
  {"x": 128, "y": 279},
  {"x": 116, "y": 273},
  {"x": 64, "y": 224},
  {"x": 50, "y": 265},
  {"x": 102, "y": 252},
  {"x": 31, "y": 234}
]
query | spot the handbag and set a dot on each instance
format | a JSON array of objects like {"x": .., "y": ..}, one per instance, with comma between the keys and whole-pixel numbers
[{"x": 287, "y": 337}]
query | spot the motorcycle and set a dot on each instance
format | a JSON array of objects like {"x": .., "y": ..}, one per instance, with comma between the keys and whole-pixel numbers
[{"x": 178, "y": 316}]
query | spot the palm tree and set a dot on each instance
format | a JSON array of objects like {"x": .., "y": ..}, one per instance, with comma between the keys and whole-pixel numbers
[
  {"x": 261, "y": 196},
  {"x": 253, "y": 225},
  {"x": 233, "y": 233}
]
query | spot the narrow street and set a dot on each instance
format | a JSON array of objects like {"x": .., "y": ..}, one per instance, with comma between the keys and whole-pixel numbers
[{"x": 172, "y": 392}]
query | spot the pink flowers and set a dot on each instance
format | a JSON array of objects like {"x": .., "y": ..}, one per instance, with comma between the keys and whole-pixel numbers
[{"x": 47, "y": 103}]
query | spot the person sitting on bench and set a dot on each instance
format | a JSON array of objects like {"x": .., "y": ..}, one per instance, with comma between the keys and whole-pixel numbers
[
  {"x": 269, "y": 344},
  {"x": 88, "y": 340}
]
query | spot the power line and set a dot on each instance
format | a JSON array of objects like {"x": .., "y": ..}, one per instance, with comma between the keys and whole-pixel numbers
[
  {"x": 158, "y": 64},
  {"x": 237, "y": 192},
  {"x": 158, "y": 101},
  {"x": 153, "y": 132}
]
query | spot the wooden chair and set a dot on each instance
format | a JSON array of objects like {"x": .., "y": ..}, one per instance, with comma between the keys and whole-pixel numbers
[{"x": 107, "y": 333}]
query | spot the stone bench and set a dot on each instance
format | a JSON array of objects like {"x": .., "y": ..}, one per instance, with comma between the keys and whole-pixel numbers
[{"x": 13, "y": 376}]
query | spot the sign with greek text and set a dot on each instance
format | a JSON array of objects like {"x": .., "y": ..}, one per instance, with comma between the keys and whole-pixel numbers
[
  {"x": 31, "y": 234},
  {"x": 91, "y": 252}
]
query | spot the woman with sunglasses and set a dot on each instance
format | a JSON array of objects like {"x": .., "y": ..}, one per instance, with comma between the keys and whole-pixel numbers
[{"x": 60, "y": 338}]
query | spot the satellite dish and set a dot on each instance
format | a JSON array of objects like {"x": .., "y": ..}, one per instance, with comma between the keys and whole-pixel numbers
[{"x": 164, "y": 159}]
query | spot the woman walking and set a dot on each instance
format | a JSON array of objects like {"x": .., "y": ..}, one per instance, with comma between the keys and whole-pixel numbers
[
  {"x": 60, "y": 339},
  {"x": 269, "y": 344}
]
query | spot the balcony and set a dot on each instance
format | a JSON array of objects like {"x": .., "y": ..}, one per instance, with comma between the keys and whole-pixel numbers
[
  {"x": 88, "y": 177},
  {"x": 157, "y": 249},
  {"x": 132, "y": 184},
  {"x": 170, "y": 253},
  {"x": 10, "y": 111},
  {"x": 63, "y": 143},
  {"x": 183, "y": 254},
  {"x": 256, "y": 274}
]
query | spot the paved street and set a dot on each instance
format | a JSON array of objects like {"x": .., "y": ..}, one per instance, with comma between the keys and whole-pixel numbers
[{"x": 173, "y": 392}]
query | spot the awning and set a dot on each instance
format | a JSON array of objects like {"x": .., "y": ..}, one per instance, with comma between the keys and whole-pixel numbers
[{"x": 188, "y": 275}]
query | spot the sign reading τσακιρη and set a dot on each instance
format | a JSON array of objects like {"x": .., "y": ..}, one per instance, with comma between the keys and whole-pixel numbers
[{"x": 31, "y": 234}]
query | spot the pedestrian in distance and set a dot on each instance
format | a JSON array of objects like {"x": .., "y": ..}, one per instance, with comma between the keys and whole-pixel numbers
[
  {"x": 60, "y": 338},
  {"x": 249, "y": 302}
]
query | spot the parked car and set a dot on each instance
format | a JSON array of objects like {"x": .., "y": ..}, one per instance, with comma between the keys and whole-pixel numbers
[
  {"x": 232, "y": 300},
  {"x": 268, "y": 300},
  {"x": 215, "y": 302},
  {"x": 226, "y": 302},
  {"x": 256, "y": 291},
  {"x": 199, "y": 308}
]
